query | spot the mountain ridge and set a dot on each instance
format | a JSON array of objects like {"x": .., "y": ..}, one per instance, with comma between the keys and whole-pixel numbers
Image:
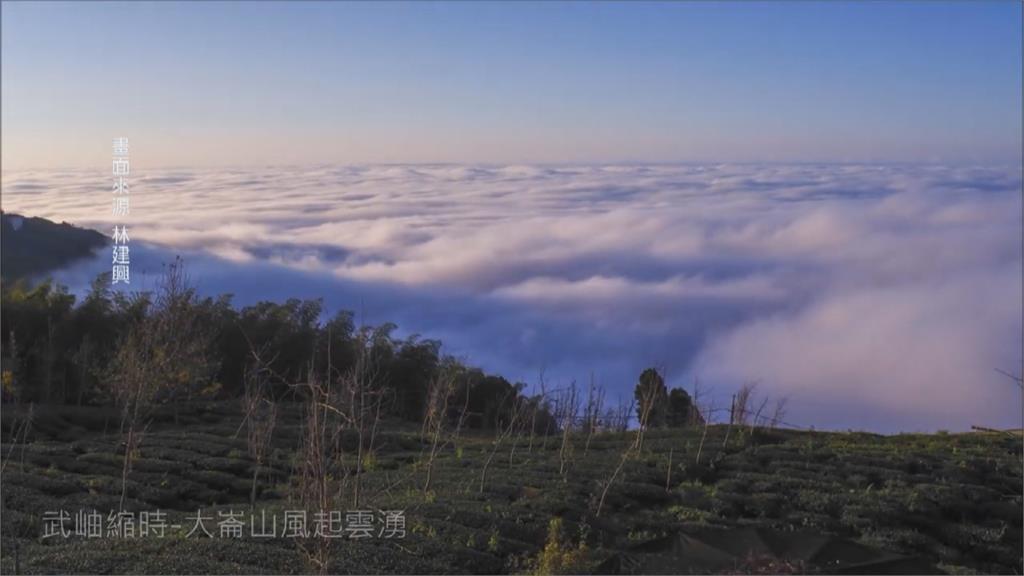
[{"x": 32, "y": 246}]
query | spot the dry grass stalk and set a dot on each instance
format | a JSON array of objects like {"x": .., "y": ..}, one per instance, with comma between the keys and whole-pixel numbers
[
  {"x": 435, "y": 420},
  {"x": 502, "y": 432},
  {"x": 568, "y": 412}
]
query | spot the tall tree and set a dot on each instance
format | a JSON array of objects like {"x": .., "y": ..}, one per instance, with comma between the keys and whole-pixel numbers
[
  {"x": 681, "y": 411},
  {"x": 651, "y": 399}
]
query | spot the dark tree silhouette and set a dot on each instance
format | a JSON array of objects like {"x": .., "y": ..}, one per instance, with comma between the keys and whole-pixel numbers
[{"x": 651, "y": 400}]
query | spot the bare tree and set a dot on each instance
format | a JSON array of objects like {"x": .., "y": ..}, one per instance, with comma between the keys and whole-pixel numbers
[
  {"x": 701, "y": 412},
  {"x": 165, "y": 352},
  {"x": 502, "y": 430},
  {"x": 728, "y": 431},
  {"x": 260, "y": 415},
  {"x": 358, "y": 400},
  {"x": 537, "y": 404},
  {"x": 21, "y": 426},
  {"x": 349, "y": 401},
  {"x": 522, "y": 404},
  {"x": 460, "y": 423},
  {"x": 616, "y": 418},
  {"x": 741, "y": 408},
  {"x": 756, "y": 418},
  {"x": 779, "y": 411},
  {"x": 706, "y": 415},
  {"x": 435, "y": 420},
  {"x": 568, "y": 411},
  {"x": 315, "y": 492},
  {"x": 592, "y": 417},
  {"x": 547, "y": 407},
  {"x": 668, "y": 473},
  {"x": 628, "y": 452}
]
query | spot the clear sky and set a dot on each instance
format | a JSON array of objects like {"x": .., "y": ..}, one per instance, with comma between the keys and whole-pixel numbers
[{"x": 267, "y": 83}]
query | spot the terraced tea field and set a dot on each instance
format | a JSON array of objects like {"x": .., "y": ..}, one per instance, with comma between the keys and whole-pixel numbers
[{"x": 771, "y": 501}]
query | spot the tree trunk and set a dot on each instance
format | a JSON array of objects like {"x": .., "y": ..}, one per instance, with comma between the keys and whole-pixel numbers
[{"x": 252, "y": 495}]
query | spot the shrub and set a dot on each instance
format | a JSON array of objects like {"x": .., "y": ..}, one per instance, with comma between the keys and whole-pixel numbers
[{"x": 560, "y": 556}]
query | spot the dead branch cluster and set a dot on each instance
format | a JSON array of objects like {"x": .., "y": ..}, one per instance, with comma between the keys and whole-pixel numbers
[{"x": 164, "y": 356}]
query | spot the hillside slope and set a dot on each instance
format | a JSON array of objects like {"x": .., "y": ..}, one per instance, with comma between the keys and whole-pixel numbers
[
  {"x": 31, "y": 247},
  {"x": 771, "y": 501}
]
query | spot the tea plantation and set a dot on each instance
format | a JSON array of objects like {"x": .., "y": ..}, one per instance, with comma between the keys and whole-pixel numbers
[{"x": 949, "y": 502}]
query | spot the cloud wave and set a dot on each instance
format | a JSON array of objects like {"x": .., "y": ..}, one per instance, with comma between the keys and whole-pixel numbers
[{"x": 876, "y": 296}]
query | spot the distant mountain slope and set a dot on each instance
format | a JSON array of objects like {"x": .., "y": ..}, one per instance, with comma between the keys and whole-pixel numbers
[{"x": 33, "y": 246}]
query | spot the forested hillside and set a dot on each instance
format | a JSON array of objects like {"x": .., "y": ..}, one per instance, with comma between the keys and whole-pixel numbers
[{"x": 35, "y": 246}]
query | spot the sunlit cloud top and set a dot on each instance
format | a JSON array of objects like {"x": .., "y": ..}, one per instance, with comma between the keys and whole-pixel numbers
[{"x": 881, "y": 297}]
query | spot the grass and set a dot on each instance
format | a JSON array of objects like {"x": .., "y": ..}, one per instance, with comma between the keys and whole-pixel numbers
[{"x": 951, "y": 499}]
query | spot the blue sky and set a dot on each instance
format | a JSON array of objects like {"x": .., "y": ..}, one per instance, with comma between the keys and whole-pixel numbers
[{"x": 292, "y": 83}]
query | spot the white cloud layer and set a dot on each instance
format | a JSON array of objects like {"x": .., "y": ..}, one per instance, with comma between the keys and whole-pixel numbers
[{"x": 877, "y": 297}]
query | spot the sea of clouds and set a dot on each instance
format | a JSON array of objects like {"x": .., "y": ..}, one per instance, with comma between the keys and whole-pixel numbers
[{"x": 879, "y": 297}]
